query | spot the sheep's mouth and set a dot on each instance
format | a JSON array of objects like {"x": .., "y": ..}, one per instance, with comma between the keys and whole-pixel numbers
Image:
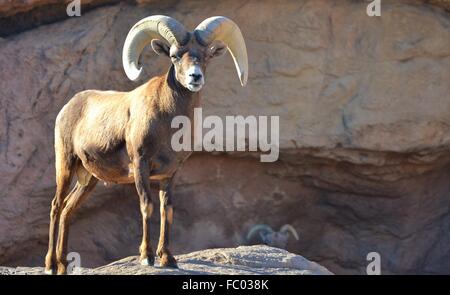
[{"x": 193, "y": 86}]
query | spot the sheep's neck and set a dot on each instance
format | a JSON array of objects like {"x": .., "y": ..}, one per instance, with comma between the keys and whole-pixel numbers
[{"x": 182, "y": 101}]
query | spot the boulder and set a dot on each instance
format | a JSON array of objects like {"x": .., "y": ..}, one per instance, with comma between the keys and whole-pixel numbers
[{"x": 244, "y": 260}]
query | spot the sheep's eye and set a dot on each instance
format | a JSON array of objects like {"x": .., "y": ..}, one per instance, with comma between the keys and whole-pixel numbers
[{"x": 175, "y": 57}]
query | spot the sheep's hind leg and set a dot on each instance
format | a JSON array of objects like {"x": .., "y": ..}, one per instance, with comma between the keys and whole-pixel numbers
[
  {"x": 64, "y": 173},
  {"x": 165, "y": 199},
  {"x": 141, "y": 172},
  {"x": 73, "y": 200}
]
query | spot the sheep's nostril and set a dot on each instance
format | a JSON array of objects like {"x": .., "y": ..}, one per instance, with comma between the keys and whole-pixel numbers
[{"x": 196, "y": 77}]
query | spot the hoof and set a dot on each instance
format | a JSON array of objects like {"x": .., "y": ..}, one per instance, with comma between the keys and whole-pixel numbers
[
  {"x": 168, "y": 261},
  {"x": 61, "y": 269},
  {"x": 147, "y": 261},
  {"x": 49, "y": 272}
]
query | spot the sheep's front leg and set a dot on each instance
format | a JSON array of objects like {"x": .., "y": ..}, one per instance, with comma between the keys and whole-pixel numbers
[
  {"x": 141, "y": 172},
  {"x": 165, "y": 199}
]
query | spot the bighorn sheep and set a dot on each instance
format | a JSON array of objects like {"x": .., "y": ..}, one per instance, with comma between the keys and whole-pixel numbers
[
  {"x": 124, "y": 137},
  {"x": 273, "y": 238}
]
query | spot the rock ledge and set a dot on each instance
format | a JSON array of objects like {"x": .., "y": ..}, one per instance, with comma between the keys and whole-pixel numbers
[{"x": 245, "y": 260}]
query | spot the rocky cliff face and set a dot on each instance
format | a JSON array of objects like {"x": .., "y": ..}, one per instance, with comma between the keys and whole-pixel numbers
[{"x": 364, "y": 108}]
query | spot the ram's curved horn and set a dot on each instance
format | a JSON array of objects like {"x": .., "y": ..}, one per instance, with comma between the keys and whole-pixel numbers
[
  {"x": 225, "y": 30},
  {"x": 257, "y": 228},
  {"x": 142, "y": 33},
  {"x": 291, "y": 229}
]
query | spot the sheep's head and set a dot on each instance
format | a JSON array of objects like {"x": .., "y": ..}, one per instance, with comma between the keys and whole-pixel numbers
[
  {"x": 189, "y": 52},
  {"x": 189, "y": 60},
  {"x": 273, "y": 238}
]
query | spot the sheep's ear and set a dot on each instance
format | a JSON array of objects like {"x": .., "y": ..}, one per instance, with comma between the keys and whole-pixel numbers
[
  {"x": 160, "y": 47},
  {"x": 217, "y": 48}
]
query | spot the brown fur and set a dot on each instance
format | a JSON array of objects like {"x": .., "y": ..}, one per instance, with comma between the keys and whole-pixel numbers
[{"x": 123, "y": 137}]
